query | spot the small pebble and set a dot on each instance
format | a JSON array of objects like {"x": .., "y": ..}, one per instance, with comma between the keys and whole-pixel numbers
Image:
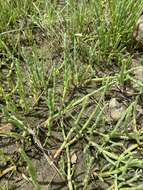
[{"x": 115, "y": 109}]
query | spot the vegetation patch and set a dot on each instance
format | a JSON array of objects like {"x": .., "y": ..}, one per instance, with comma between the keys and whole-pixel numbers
[{"x": 71, "y": 84}]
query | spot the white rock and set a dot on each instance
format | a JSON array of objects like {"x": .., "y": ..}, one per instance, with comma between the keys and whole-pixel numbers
[
  {"x": 138, "y": 33},
  {"x": 115, "y": 109},
  {"x": 138, "y": 71}
]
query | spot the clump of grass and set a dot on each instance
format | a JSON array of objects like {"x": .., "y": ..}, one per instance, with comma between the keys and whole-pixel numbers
[{"x": 115, "y": 22}]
